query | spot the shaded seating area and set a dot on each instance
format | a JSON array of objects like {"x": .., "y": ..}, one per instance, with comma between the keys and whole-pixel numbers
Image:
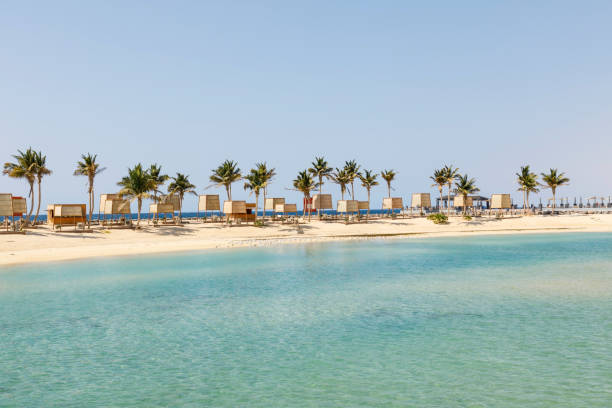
[
  {"x": 162, "y": 214},
  {"x": 115, "y": 212},
  {"x": 61, "y": 215},
  {"x": 322, "y": 202},
  {"x": 209, "y": 203},
  {"x": 270, "y": 203},
  {"x": 284, "y": 210},
  {"x": 237, "y": 212},
  {"x": 478, "y": 202},
  {"x": 392, "y": 204},
  {"x": 11, "y": 207}
]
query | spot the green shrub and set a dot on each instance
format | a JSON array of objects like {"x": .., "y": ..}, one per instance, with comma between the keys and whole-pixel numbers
[
  {"x": 259, "y": 223},
  {"x": 438, "y": 218},
  {"x": 467, "y": 217}
]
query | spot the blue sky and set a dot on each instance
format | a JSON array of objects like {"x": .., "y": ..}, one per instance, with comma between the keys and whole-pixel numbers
[{"x": 485, "y": 86}]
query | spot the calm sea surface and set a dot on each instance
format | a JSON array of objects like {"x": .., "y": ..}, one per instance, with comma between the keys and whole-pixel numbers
[{"x": 506, "y": 321}]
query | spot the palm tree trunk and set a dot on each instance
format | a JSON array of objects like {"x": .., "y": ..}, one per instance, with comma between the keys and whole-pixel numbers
[
  {"x": 139, "y": 207},
  {"x": 554, "y": 200},
  {"x": 256, "y": 204},
  {"x": 38, "y": 206},
  {"x": 368, "y": 212},
  {"x": 440, "y": 205},
  {"x": 448, "y": 202},
  {"x": 305, "y": 202},
  {"x": 527, "y": 198},
  {"x": 389, "y": 188},
  {"x": 263, "y": 215},
  {"x": 31, "y": 202},
  {"x": 180, "y": 208}
]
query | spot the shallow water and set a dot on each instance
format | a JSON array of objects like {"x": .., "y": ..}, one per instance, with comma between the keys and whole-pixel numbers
[{"x": 505, "y": 321}]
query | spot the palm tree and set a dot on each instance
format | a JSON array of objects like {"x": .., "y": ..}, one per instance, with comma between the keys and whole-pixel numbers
[
  {"x": 388, "y": 176},
  {"x": 341, "y": 178},
  {"x": 24, "y": 167},
  {"x": 157, "y": 178},
  {"x": 137, "y": 185},
  {"x": 465, "y": 186},
  {"x": 89, "y": 168},
  {"x": 181, "y": 185},
  {"x": 352, "y": 172},
  {"x": 450, "y": 174},
  {"x": 305, "y": 183},
  {"x": 553, "y": 180},
  {"x": 226, "y": 174},
  {"x": 266, "y": 175},
  {"x": 320, "y": 169},
  {"x": 439, "y": 179},
  {"x": 41, "y": 170},
  {"x": 528, "y": 183},
  {"x": 255, "y": 181},
  {"x": 368, "y": 180}
]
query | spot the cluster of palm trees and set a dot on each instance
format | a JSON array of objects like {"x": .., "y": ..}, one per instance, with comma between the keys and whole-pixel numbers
[
  {"x": 141, "y": 183},
  {"x": 528, "y": 183},
  {"x": 31, "y": 166}
]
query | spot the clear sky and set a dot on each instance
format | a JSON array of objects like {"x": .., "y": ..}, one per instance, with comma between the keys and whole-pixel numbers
[{"x": 485, "y": 86}]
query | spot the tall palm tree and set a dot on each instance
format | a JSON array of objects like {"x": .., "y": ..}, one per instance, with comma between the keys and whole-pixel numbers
[
  {"x": 450, "y": 173},
  {"x": 341, "y": 178},
  {"x": 41, "y": 170},
  {"x": 266, "y": 175},
  {"x": 137, "y": 185},
  {"x": 89, "y": 168},
  {"x": 305, "y": 183},
  {"x": 352, "y": 172},
  {"x": 181, "y": 185},
  {"x": 553, "y": 180},
  {"x": 157, "y": 178},
  {"x": 528, "y": 183},
  {"x": 439, "y": 179},
  {"x": 24, "y": 167},
  {"x": 255, "y": 181},
  {"x": 465, "y": 186},
  {"x": 368, "y": 180},
  {"x": 320, "y": 169},
  {"x": 226, "y": 174},
  {"x": 388, "y": 176}
]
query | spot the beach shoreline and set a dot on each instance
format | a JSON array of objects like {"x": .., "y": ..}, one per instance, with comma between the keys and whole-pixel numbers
[{"x": 43, "y": 245}]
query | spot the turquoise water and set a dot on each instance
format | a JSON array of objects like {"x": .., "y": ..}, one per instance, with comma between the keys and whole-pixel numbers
[{"x": 506, "y": 321}]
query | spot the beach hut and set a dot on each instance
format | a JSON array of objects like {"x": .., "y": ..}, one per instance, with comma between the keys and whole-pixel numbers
[
  {"x": 421, "y": 200},
  {"x": 172, "y": 199},
  {"x": 158, "y": 209},
  {"x": 114, "y": 205},
  {"x": 208, "y": 202},
  {"x": 20, "y": 207},
  {"x": 103, "y": 198},
  {"x": 500, "y": 201},
  {"x": 271, "y": 203},
  {"x": 6, "y": 208},
  {"x": 235, "y": 210},
  {"x": 322, "y": 202},
  {"x": 347, "y": 206},
  {"x": 458, "y": 202},
  {"x": 59, "y": 215},
  {"x": 392, "y": 204},
  {"x": 285, "y": 209}
]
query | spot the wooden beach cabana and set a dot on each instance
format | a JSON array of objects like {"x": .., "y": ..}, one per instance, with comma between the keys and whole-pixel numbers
[
  {"x": 500, "y": 202},
  {"x": 270, "y": 203},
  {"x": 208, "y": 203},
  {"x": 59, "y": 215},
  {"x": 321, "y": 202},
  {"x": 114, "y": 205},
  {"x": 392, "y": 204},
  {"x": 157, "y": 209},
  {"x": 347, "y": 207},
  {"x": 239, "y": 211},
  {"x": 7, "y": 209},
  {"x": 459, "y": 201},
  {"x": 285, "y": 209}
]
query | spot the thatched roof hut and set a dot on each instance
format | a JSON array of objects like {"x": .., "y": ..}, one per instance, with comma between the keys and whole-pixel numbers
[
  {"x": 458, "y": 202},
  {"x": 392, "y": 203},
  {"x": 161, "y": 208},
  {"x": 234, "y": 207},
  {"x": 347, "y": 206},
  {"x": 104, "y": 198},
  {"x": 209, "y": 202},
  {"x": 66, "y": 214},
  {"x": 272, "y": 202},
  {"x": 20, "y": 206},
  {"x": 116, "y": 206},
  {"x": 322, "y": 202},
  {"x": 363, "y": 205},
  {"x": 6, "y": 205},
  {"x": 500, "y": 201},
  {"x": 421, "y": 200},
  {"x": 285, "y": 208}
]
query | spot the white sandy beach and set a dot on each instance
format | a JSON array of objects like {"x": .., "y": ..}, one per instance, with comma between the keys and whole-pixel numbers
[{"x": 44, "y": 245}]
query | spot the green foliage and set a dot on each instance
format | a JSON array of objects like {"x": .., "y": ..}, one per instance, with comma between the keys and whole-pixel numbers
[
  {"x": 227, "y": 173},
  {"x": 259, "y": 223},
  {"x": 438, "y": 218},
  {"x": 467, "y": 217}
]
